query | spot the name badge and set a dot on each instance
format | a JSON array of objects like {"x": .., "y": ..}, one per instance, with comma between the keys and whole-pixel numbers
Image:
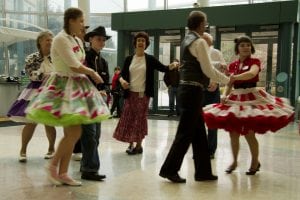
[{"x": 245, "y": 67}]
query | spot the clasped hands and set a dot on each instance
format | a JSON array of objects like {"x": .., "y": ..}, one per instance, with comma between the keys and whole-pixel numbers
[
  {"x": 232, "y": 78},
  {"x": 173, "y": 65}
]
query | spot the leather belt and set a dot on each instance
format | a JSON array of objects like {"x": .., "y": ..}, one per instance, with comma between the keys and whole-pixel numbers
[{"x": 193, "y": 83}]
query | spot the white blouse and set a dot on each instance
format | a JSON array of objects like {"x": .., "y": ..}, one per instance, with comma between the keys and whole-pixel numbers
[
  {"x": 66, "y": 52},
  {"x": 46, "y": 66},
  {"x": 137, "y": 72}
]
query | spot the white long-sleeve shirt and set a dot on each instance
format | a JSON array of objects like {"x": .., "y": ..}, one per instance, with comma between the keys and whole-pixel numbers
[
  {"x": 216, "y": 57},
  {"x": 200, "y": 50}
]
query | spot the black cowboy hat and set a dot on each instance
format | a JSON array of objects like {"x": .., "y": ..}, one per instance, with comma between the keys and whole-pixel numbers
[{"x": 100, "y": 30}]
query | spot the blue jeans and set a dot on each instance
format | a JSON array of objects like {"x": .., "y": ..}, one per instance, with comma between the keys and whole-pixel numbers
[
  {"x": 172, "y": 92},
  {"x": 209, "y": 98},
  {"x": 89, "y": 145}
]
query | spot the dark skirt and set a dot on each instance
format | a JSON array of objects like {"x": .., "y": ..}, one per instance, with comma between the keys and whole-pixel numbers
[{"x": 132, "y": 126}]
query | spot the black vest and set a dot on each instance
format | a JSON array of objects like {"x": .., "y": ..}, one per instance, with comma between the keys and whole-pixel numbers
[{"x": 191, "y": 68}]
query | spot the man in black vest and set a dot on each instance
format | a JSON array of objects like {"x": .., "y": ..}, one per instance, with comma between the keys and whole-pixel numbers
[
  {"x": 90, "y": 163},
  {"x": 195, "y": 75}
]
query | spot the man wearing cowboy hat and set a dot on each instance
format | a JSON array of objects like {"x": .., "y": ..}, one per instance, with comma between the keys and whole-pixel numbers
[{"x": 90, "y": 163}]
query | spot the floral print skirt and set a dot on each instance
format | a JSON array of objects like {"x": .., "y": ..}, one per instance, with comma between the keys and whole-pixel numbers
[{"x": 67, "y": 100}]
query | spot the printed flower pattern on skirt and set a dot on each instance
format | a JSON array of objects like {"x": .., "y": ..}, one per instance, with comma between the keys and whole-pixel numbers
[{"x": 67, "y": 100}]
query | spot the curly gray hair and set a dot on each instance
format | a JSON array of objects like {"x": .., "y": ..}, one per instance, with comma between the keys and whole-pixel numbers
[{"x": 41, "y": 35}]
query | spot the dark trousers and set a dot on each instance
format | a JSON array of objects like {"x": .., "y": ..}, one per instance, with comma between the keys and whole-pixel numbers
[
  {"x": 191, "y": 130},
  {"x": 209, "y": 98},
  {"x": 116, "y": 104},
  {"x": 89, "y": 144},
  {"x": 77, "y": 147},
  {"x": 172, "y": 92}
]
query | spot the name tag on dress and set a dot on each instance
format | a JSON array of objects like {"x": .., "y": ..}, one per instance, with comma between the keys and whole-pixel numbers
[{"x": 245, "y": 68}]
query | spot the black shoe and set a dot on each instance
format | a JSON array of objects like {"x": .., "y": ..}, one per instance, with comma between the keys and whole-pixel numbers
[
  {"x": 207, "y": 178},
  {"x": 93, "y": 176},
  {"x": 129, "y": 149},
  {"x": 135, "y": 151},
  {"x": 231, "y": 168},
  {"x": 253, "y": 171},
  {"x": 174, "y": 178}
]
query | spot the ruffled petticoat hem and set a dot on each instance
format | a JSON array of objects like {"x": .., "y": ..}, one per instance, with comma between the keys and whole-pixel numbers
[
  {"x": 257, "y": 124},
  {"x": 250, "y": 109},
  {"x": 66, "y": 101},
  {"x": 45, "y": 117},
  {"x": 21, "y": 119}
]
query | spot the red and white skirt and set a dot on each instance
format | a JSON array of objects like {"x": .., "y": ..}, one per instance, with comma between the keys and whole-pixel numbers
[{"x": 250, "y": 109}]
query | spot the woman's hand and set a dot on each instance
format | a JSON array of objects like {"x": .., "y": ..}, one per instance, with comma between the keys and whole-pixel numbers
[
  {"x": 103, "y": 93},
  {"x": 212, "y": 87},
  {"x": 96, "y": 78},
  {"x": 173, "y": 65},
  {"x": 124, "y": 84},
  {"x": 224, "y": 99},
  {"x": 232, "y": 78}
]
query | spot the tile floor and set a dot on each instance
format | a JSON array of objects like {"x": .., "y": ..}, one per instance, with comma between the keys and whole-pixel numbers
[{"x": 136, "y": 177}]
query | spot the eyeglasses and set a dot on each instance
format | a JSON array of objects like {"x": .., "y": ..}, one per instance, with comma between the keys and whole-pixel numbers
[{"x": 206, "y": 25}]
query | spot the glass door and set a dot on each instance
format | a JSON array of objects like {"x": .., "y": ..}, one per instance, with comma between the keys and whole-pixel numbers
[{"x": 169, "y": 49}]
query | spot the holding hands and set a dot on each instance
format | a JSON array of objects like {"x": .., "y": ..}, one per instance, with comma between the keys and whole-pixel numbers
[
  {"x": 212, "y": 87},
  {"x": 173, "y": 65}
]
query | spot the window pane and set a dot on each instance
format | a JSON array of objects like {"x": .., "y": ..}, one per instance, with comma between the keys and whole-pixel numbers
[
  {"x": 28, "y": 6},
  {"x": 14, "y": 57},
  {"x": 1, "y": 5},
  {"x": 2, "y": 58},
  {"x": 172, "y": 4},
  {"x": 61, "y": 5},
  {"x": 32, "y": 22},
  {"x": 141, "y": 5},
  {"x": 106, "y": 6},
  {"x": 55, "y": 23}
]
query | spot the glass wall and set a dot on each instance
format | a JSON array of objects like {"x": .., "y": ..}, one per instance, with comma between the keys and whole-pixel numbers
[
  {"x": 25, "y": 6},
  {"x": 48, "y": 14},
  {"x": 111, "y": 6},
  {"x": 141, "y": 5}
]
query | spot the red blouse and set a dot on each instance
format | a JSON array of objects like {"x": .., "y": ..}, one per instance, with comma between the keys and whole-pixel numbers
[{"x": 234, "y": 68}]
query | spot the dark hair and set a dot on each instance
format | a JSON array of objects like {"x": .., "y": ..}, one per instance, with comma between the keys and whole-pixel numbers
[
  {"x": 41, "y": 35},
  {"x": 71, "y": 13},
  {"x": 195, "y": 18},
  {"x": 117, "y": 68},
  {"x": 241, "y": 39},
  {"x": 141, "y": 34}
]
